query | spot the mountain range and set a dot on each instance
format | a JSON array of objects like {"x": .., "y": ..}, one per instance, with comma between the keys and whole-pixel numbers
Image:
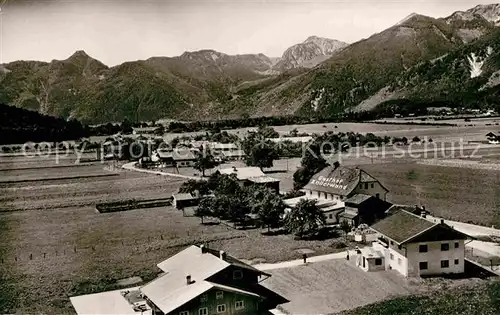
[{"x": 453, "y": 60}]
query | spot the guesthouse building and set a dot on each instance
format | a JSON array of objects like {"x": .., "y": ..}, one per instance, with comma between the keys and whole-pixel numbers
[{"x": 338, "y": 182}]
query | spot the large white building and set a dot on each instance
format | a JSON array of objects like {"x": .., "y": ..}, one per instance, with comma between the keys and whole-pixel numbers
[
  {"x": 338, "y": 182},
  {"x": 415, "y": 246}
]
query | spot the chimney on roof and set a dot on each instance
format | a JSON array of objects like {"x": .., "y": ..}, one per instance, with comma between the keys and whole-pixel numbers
[
  {"x": 222, "y": 255},
  {"x": 336, "y": 164},
  {"x": 188, "y": 280},
  {"x": 442, "y": 221},
  {"x": 235, "y": 169},
  {"x": 203, "y": 249}
]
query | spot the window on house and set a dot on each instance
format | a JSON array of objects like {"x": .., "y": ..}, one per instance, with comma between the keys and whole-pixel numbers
[
  {"x": 457, "y": 261},
  {"x": 184, "y": 313},
  {"x": 378, "y": 261},
  {"x": 445, "y": 247},
  {"x": 445, "y": 263},
  {"x": 318, "y": 194},
  {"x": 203, "y": 311},
  {"x": 330, "y": 216},
  {"x": 457, "y": 244},
  {"x": 237, "y": 274},
  {"x": 392, "y": 257},
  {"x": 373, "y": 185},
  {"x": 366, "y": 185},
  {"x": 399, "y": 261},
  {"x": 422, "y": 249},
  {"x": 392, "y": 243},
  {"x": 204, "y": 297},
  {"x": 221, "y": 308},
  {"x": 239, "y": 305},
  {"x": 422, "y": 265},
  {"x": 219, "y": 295},
  {"x": 326, "y": 196}
]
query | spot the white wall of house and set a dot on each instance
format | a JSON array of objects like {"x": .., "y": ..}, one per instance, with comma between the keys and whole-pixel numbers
[
  {"x": 321, "y": 195},
  {"x": 371, "y": 189},
  {"x": 434, "y": 256},
  {"x": 397, "y": 261}
]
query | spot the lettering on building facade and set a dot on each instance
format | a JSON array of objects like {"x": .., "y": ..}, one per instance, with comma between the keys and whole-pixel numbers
[{"x": 337, "y": 183}]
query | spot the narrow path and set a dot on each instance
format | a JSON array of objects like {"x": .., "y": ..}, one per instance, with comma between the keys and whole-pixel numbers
[
  {"x": 470, "y": 229},
  {"x": 131, "y": 167},
  {"x": 300, "y": 262}
]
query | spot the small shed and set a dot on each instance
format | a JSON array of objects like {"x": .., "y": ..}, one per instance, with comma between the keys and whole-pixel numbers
[
  {"x": 184, "y": 200},
  {"x": 370, "y": 259}
]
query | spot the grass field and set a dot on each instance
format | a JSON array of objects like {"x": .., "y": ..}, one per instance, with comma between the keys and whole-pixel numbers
[
  {"x": 55, "y": 244},
  {"x": 476, "y": 299},
  {"x": 456, "y": 193}
]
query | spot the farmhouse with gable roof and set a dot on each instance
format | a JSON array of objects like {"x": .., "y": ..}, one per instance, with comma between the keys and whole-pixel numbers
[
  {"x": 202, "y": 281},
  {"x": 196, "y": 281},
  {"x": 415, "y": 246}
]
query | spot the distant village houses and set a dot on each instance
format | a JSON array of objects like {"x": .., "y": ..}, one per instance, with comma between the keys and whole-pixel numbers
[{"x": 248, "y": 176}]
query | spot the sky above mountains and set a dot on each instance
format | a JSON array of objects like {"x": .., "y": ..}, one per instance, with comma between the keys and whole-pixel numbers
[{"x": 115, "y": 31}]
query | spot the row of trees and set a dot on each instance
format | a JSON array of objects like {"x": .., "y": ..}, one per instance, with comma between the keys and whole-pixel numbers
[
  {"x": 245, "y": 122},
  {"x": 19, "y": 125},
  {"x": 225, "y": 199}
]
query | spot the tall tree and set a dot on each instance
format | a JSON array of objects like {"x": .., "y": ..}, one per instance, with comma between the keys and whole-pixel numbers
[
  {"x": 259, "y": 151},
  {"x": 205, "y": 208},
  {"x": 312, "y": 162},
  {"x": 204, "y": 161},
  {"x": 305, "y": 218},
  {"x": 191, "y": 186},
  {"x": 346, "y": 227},
  {"x": 267, "y": 205}
]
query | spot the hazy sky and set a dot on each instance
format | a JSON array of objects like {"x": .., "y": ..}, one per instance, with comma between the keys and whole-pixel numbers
[{"x": 114, "y": 31}]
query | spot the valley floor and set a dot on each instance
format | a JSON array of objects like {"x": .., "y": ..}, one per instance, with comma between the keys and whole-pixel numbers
[{"x": 55, "y": 244}]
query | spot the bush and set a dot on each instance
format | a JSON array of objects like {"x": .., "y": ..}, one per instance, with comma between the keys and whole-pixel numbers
[{"x": 294, "y": 194}]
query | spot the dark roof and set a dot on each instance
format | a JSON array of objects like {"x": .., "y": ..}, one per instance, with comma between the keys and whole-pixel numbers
[
  {"x": 348, "y": 215},
  {"x": 491, "y": 134},
  {"x": 402, "y": 226},
  {"x": 358, "y": 199},
  {"x": 339, "y": 181}
]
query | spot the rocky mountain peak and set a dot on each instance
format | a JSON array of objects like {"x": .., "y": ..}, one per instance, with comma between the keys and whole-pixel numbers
[
  {"x": 311, "y": 39},
  {"x": 79, "y": 54},
  {"x": 309, "y": 53},
  {"x": 203, "y": 54},
  {"x": 412, "y": 18},
  {"x": 490, "y": 12}
]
